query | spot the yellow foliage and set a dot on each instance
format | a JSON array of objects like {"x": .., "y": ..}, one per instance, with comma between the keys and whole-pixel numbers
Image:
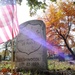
[{"x": 58, "y": 20}]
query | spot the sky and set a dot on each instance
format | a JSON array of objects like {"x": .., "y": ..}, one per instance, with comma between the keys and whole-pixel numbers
[{"x": 23, "y": 12}]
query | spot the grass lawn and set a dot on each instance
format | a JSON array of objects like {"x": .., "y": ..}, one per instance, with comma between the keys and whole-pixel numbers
[
  {"x": 52, "y": 65},
  {"x": 55, "y": 64}
]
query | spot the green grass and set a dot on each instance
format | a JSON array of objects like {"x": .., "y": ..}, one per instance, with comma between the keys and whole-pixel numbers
[
  {"x": 52, "y": 64},
  {"x": 55, "y": 64}
]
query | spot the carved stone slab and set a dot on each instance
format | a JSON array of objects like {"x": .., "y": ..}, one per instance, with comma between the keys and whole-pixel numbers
[{"x": 31, "y": 50}]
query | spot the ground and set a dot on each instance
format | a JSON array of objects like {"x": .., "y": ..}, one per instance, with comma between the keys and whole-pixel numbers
[{"x": 55, "y": 67}]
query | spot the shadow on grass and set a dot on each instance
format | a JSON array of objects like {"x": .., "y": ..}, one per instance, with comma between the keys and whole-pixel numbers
[{"x": 68, "y": 71}]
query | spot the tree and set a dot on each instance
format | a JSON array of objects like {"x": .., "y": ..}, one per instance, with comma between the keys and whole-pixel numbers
[
  {"x": 7, "y": 48},
  {"x": 60, "y": 25},
  {"x": 33, "y": 1},
  {"x": 6, "y": 51},
  {"x": 35, "y": 5}
]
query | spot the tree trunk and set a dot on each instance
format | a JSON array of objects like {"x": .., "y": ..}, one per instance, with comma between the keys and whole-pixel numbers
[
  {"x": 73, "y": 54},
  {"x": 5, "y": 51}
]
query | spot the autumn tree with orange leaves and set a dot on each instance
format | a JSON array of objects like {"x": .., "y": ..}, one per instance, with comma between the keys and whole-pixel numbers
[{"x": 60, "y": 25}]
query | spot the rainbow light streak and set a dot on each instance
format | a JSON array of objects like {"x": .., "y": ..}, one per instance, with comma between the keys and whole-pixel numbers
[{"x": 41, "y": 41}]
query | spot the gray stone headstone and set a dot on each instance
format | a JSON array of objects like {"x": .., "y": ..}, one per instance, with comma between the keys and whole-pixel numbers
[
  {"x": 31, "y": 50},
  {"x": 0, "y": 58}
]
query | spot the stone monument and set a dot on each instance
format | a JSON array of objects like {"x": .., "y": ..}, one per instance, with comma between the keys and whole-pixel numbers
[{"x": 31, "y": 52}]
